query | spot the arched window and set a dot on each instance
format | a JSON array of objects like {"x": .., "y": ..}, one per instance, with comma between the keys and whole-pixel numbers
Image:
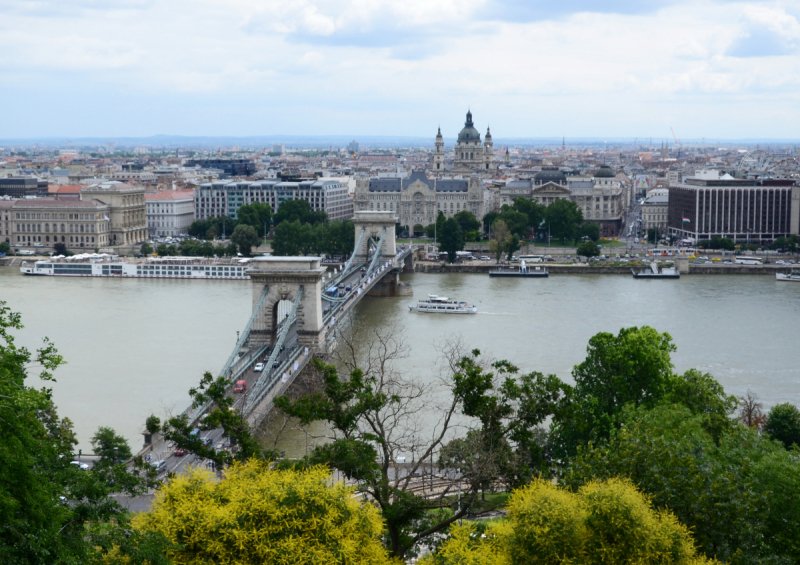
[
  {"x": 62, "y": 231},
  {"x": 472, "y": 155}
]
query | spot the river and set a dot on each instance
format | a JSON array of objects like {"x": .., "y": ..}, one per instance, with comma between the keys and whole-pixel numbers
[{"x": 135, "y": 347}]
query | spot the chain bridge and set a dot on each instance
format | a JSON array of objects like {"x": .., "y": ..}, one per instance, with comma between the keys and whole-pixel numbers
[{"x": 297, "y": 302}]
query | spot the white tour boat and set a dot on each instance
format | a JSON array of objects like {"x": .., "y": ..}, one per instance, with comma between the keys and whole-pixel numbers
[
  {"x": 443, "y": 305},
  {"x": 102, "y": 265},
  {"x": 794, "y": 276}
]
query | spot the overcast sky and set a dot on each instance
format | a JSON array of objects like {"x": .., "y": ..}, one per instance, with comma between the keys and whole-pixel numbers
[{"x": 596, "y": 68}]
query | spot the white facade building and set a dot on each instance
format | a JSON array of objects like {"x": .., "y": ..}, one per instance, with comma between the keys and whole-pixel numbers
[{"x": 170, "y": 212}]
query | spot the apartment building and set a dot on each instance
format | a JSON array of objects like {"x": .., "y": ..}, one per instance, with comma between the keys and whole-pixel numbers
[{"x": 169, "y": 212}]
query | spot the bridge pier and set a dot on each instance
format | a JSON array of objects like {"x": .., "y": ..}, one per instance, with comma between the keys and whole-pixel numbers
[
  {"x": 391, "y": 285},
  {"x": 284, "y": 276},
  {"x": 374, "y": 223}
]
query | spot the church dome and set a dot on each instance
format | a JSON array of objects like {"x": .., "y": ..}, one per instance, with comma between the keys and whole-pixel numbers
[
  {"x": 550, "y": 174},
  {"x": 604, "y": 172},
  {"x": 469, "y": 134}
]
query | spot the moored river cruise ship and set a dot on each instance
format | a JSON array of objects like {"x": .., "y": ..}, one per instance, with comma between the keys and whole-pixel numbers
[{"x": 102, "y": 265}]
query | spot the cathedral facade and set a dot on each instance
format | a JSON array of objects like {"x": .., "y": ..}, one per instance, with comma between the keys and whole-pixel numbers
[{"x": 471, "y": 156}]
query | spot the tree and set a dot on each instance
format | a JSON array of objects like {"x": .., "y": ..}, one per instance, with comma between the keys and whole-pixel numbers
[
  {"x": 294, "y": 238},
  {"x": 532, "y": 209},
  {"x": 512, "y": 246},
  {"x": 488, "y": 221},
  {"x": 440, "y": 221},
  {"x": 590, "y": 230},
  {"x": 430, "y": 231},
  {"x": 245, "y": 238},
  {"x": 517, "y": 222},
  {"x": 44, "y": 500},
  {"x": 299, "y": 210},
  {"x": 564, "y": 218},
  {"x": 220, "y": 414},
  {"x": 783, "y": 424},
  {"x": 603, "y": 522},
  {"x": 633, "y": 366},
  {"x": 255, "y": 215},
  {"x": 499, "y": 239},
  {"x": 376, "y": 415},
  {"x": 260, "y": 515},
  {"x": 740, "y": 497},
  {"x": 750, "y": 413},
  {"x": 146, "y": 249},
  {"x": 61, "y": 249},
  {"x": 336, "y": 238},
  {"x": 4, "y": 247},
  {"x": 467, "y": 221},
  {"x": 451, "y": 239},
  {"x": 110, "y": 447},
  {"x": 588, "y": 249}
]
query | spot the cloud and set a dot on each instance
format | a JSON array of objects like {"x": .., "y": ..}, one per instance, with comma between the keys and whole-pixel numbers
[
  {"x": 766, "y": 31},
  {"x": 691, "y": 50}
]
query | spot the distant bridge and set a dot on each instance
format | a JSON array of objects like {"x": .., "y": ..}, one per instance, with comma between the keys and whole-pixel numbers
[{"x": 294, "y": 312}]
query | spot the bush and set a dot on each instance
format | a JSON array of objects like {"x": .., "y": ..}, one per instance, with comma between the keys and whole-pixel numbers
[
  {"x": 783, "y": 424},
  {"x": 588, "y": 249}
]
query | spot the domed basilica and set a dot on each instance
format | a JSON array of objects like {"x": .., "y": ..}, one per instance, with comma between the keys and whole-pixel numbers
[{"x": 470, "y": 154}]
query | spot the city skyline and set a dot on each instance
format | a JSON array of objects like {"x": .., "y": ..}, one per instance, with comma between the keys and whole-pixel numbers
[{"x": 135, "y": 68}]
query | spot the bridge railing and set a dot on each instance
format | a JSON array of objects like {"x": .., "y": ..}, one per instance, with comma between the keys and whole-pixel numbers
[{"x": 276, "y": 377}]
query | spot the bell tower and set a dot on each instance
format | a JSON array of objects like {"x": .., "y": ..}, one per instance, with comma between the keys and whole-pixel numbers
[
  {"x": 488, "y": 150},
  {"x": 438, "y": 153}
]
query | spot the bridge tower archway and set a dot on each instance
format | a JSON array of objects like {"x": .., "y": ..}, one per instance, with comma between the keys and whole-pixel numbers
[
  {"x": 284, "y": 277},
  {"x": 372, "y": 225}
]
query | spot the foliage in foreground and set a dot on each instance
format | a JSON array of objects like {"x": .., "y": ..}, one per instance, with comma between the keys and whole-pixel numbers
[
  {"x": 45, "y": 501},
  {"x": 604, "y": 522},
  {"x": 741, "y": 495},
  {"x": 264, "y": 516}
]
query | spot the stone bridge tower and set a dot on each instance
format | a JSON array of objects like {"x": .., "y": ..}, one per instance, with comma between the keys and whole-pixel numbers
[
  {"x": 284, "y": 276},
  {"x": 374, "y": 223}
]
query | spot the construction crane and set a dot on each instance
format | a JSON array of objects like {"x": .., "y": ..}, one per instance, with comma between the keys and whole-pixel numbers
[{"x": 677, "y": 141}]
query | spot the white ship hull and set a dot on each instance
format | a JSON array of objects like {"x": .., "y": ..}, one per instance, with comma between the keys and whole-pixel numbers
[
  {"x": 791, "y": 277},
  {"x": 443, "y": 310},
  {"x": 136, "y": 270}
]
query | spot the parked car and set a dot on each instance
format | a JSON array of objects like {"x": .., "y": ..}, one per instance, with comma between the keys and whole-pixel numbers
[
  {"x": 160, "y": 466},
  {"x": 179, "y": 452},
  {"x": 259, "y": 367},
  {"x": 79, "y": 465},
  {"x": 485, "y": 258}
]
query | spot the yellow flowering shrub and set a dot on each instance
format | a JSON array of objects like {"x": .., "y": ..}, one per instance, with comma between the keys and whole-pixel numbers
[
  {"x": 257, "y": 515},
  {"x": 604, "y": 523}
]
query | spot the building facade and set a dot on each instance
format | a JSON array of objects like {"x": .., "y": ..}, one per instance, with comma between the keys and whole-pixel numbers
[
  {"x": 744, "y": 210},
  {"x": 169, "y": 212},
  {"x": 655, "y": 210},
  {"x": 128, "y": 210},
  {"x": 224, "y": 198},
  {"x": 80, "y": 225},
  {"x": 417, "y": 200},
  {"x": 601, "y": 198},
  {"x": 21, "y": 187},
  {"x": 230, "y": 166}
]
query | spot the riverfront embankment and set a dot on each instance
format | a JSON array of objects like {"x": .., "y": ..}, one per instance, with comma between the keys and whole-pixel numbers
[{"x": 614, "y": 269}]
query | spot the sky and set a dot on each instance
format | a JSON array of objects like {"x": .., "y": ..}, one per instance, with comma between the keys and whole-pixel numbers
[{"x": 583, "y": 68}]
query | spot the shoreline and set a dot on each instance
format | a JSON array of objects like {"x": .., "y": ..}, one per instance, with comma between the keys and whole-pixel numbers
[{"x": 560, "y": 269}]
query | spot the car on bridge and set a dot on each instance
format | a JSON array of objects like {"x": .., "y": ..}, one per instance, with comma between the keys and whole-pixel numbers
[
  {"x": 241, "y": 386},
  {"x": 259, "y": 367}
]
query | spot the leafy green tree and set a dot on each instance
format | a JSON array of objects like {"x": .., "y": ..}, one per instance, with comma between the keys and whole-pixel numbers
[
  {"x": 702, "y": 394},
  {"x": 532, "y": 209},
  {"x": 337, "y": 238},
  {"x": 299, "y": 210},
  {"x": 110, "y": 447},
  {"x": 783, "y": 424},
  {"x": 440, "y": 221},
  {"x": 4, "y": 247},
  {"x": 512, "y": 246},
  {"x": 44, "y": 500},
  {"x": 61, "y": 249},
  {"x": 152, "y": 424},
  {"x": 517, "y": 222},
  {"x": 255, "y": 215},
  {"x": 499, "y": 239},
  {"x": 162, "y": 250},
  {"x": 590, "y": 230},
  {"x": 293, "y": 238},
  {"x": 430, "y": 231},
  {"x": 451, "y": 239},
  {"x": 467, "y": 221},
  {"x": 564, "y": 218},
  {"x": 633, "y": 366},
  {"x": 588, "y": 249},
  {"x": 221, "y": 414},
  {"x": 741, "y": 497},
  {"x": 262, "y": 516},
  {"x": 146, "y": 249},
  {"x": 245, "y": 238},
  {"x": 488, "y": 221}
]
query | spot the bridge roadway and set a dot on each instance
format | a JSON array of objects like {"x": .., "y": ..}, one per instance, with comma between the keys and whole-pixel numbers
[{"x": 256, "y": 402}]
